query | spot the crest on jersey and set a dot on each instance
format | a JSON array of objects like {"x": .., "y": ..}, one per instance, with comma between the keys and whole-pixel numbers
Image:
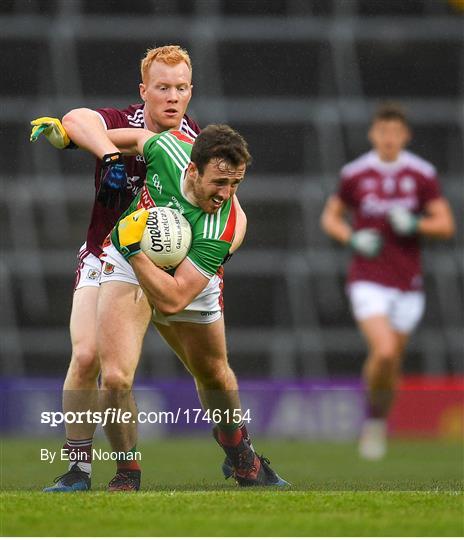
[
  {"x": 407, "y": 184},
  {"x": 388, "y": 184},
  {"x": 108, "y": 269},
  {"x": 136, "y": 119},
  {"x": 157, "y": 183},
  {"x": 93, "y": 274},
  {"x": 368, "y": 184}
]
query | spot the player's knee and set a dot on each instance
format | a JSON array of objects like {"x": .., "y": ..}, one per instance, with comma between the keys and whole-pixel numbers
[
  {"x": 386, "y": 358},
  {"x": 212, "y": 374},
  {"x": 116, "y": 379},
  {"x": 84, "y": 362}
]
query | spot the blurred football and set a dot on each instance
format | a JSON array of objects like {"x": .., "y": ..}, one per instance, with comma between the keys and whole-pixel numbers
[{"x": 166, "y": 238}]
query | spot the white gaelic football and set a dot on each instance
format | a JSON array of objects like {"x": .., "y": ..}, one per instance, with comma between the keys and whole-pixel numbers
[{"x": 166, "y": 238}]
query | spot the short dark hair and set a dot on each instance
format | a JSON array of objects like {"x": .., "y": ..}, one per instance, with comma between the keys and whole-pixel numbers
[
  {"x": 391, "y": 111},
  {"x": 222, "y": 142}
]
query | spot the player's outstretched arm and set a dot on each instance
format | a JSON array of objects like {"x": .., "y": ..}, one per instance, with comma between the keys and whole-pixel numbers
[
  {"x": 85, "y": 128},
  {"x": 129, "y": 140}
]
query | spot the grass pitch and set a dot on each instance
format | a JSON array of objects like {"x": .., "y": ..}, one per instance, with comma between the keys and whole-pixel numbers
[{"x": 415, "y": 491}]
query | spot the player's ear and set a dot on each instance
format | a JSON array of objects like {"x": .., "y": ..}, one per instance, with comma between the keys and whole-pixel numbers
[
  {"x": 192, "y": 170},
  {"x": 142, "y": 91},
  {"x": 408, "y": 136},
  {"x": 369, "y": 135}
]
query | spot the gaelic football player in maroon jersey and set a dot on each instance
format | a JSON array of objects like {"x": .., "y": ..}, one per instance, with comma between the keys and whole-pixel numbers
[
  {"x": 394, "y": 198},
  {"x": 166, "y": 89},
  {"x": 166, "y": 92}
]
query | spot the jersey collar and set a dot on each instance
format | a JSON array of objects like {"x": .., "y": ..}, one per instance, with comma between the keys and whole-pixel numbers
[{"x": 387, "y": 166}]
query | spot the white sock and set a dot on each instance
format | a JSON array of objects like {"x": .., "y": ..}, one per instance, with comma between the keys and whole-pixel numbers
[
  {"x": 84, "y": 467},
  {"x": 373, "y": 440}
]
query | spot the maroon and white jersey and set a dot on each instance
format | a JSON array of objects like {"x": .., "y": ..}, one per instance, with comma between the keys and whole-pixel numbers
[
  {"x": 103, "y": 219},
  {"x": 370, "y": 188}
]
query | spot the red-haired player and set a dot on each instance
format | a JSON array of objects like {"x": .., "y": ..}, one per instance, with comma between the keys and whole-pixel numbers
[{"x": 165, "y": 90}]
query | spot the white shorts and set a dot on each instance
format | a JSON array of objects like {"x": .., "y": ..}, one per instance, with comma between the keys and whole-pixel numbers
[
  {"x": 88, "y": 270},
  {"x": 404, "y": 309},
  {"x": 204, "y": 309}
]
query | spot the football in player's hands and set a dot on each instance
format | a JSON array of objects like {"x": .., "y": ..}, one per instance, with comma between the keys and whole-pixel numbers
[
  {"x": 166, "y": 238},
  {"x": 366, "y": 242},
  {"x": 402, "y": 221},
  {"x": 163, "y": 234}
]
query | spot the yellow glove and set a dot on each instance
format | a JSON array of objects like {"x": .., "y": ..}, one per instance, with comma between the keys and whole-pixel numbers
[
  {"x": 53, "y": 131},
  {"x": 130, "y": 232}
]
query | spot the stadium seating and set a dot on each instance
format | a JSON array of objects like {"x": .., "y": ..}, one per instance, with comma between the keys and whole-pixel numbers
[{"x": 299, "y": 79}]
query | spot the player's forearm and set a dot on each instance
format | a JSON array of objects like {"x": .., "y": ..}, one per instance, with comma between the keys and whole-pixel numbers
[
  {"x": 440, "y": 227},
  {"x": 85, "y": 128},
  {"x": 128, "y": 140},
  {"x": 437, "y": 221},
  {"x": 162, "y": 290},
  {"x": 336, "y": 227},
  {"x": 333, "y": 220}
]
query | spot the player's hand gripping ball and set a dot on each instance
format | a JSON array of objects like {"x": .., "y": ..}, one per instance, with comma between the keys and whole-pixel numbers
[
  {"x": 130, "y": 232},
  {"x": 163, "y": 234}
]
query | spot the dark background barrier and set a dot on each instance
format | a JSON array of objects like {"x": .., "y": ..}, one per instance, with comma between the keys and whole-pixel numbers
[{"x": 299, "y": 79}]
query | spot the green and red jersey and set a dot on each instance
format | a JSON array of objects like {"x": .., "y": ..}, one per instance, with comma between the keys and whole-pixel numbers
[{"x": 167, "y": 156}]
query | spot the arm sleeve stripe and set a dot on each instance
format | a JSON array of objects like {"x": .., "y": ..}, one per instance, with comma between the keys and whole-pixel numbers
[
  {"x": 211, "y": 225},
  {"x": 172, "y": 156},
  {"x": 218, "y": 223},
  {"x": 175, "y": 149},
  {"x": 181, "y": 155},
  {"x": 173, "y": 142},
  {"x": 205, "y": 226}
]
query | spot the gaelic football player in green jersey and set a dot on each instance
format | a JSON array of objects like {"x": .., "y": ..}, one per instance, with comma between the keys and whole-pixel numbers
[{"x": 200, "y": 180}]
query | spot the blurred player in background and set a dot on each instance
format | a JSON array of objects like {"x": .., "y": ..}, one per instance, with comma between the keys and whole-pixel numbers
[
  {"x": 166, "y": 89},
  {"x": 200, "y": 180},
  {"x": 395, "y": 199}
]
